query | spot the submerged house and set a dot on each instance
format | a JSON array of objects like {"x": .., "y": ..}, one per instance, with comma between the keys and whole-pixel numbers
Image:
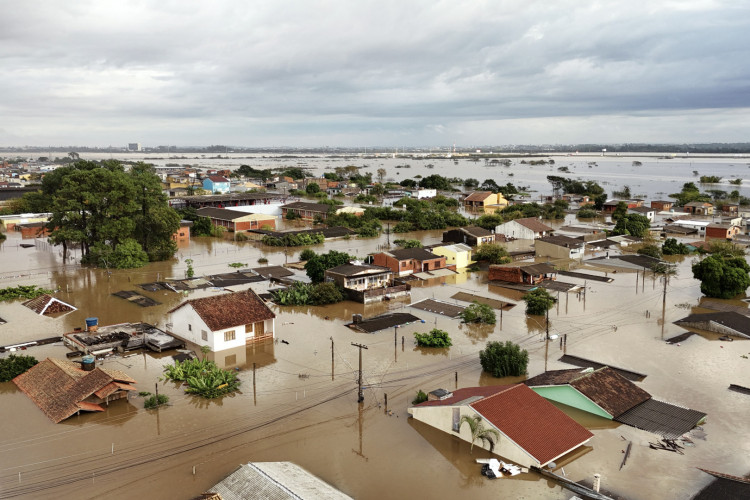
[
  {"x": 223, "y": 321},
  {"x": 607, "y": 394},
  {"x": 272, "y": 480},
  {"x": 406, "y": 261},
  {"x": 528, "y": 228},
  {"x": 473, "y": 236},
  {"x": 725, "y": 323},
  {"x": 62, "y": 389},
  {"x": 560, "y": 247},
  {"x": 458, "y": 255},
  {"x": 530, "y": 274},
  {"x": 365, "y": 283},
  {"x": 46, "y": 305},
  {"x": 533, "y": 432}
]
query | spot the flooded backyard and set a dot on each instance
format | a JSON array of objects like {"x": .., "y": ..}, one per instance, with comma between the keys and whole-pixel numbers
[{"x": 298, "y": 399}]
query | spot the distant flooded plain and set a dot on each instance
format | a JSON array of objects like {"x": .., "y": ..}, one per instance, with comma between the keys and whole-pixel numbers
[{"x": 299, "y": 404}]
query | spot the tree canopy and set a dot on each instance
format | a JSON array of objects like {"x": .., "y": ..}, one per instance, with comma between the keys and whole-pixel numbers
[
  {"x": 538, "y": 301},
  {"x": 317, "y": 265},
  {"x": 632, "y": 224},
  {"x": 120, "y": 219},
  {"x": 722, "y": 277}
]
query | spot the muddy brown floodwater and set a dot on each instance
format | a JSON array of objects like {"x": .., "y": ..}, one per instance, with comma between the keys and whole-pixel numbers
[{"x": 301, "y": 404}]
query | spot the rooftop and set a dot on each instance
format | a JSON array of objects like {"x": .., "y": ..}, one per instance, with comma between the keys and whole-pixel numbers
[
  {"x": 529, "y": 420},
  {"x": 413, "y": 253},
  {"x": 230, "y": 309},
  {"x": 534, "y": 224},
  {"x": 59, "y": 388}
]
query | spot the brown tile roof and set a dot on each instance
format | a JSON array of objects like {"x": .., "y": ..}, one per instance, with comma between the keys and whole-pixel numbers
[
  {"x": 532, "y": 422},
  {"x": 47, "y": 304},
  {"x": 554, "y": 377},
  {"x": 534, "y": 224},
  {"x": 477, "y": 231},
  {"x": 230, "y": 309},
  {"x": 610, "y": 390},
  {"x": 478, "y": 196},
  {"x": 59, "y": 387}
]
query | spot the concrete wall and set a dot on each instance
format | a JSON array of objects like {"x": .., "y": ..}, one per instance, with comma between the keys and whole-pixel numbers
[{"x": 515, "y": 230}]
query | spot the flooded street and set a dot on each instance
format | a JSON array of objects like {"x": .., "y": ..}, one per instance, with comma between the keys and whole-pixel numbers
[{"x": 299, "y": 404}]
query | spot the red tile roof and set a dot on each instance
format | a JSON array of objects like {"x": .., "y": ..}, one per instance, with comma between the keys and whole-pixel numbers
[
  {"x": 533, "y": 423},
  {"x": 59, "y": 387},
  {"x": 220, "y": 312},
  {"x": 529, "y": 420}
]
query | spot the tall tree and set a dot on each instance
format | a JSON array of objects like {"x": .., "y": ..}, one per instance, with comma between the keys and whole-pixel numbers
[{"x": 116, "y": 217}]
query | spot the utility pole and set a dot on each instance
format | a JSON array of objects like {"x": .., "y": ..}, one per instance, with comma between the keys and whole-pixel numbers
[
  {"x": 546, "y": 343},
  {"x": 360, "y": 394}
]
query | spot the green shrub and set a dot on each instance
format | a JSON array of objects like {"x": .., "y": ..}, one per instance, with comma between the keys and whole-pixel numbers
[
  {"x": 478, "y": 313},
  {"x": 408, "y": 243},
  {"x": 154, "y": 401},
  {"x": 13, "y": 366},
  {"x": 262, "y": 260},
  {"x": 420, "y": 398},
  {"x": 203, "y": 378},
  {"x": 586, "y": 213},
  {"x": 504, "y": 360},
  {"x": 436, "y": 338},
  {"x": 22, "y": 292}
]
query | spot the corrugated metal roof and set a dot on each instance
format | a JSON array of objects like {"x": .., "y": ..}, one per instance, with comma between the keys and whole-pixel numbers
[
  {"x": 438, "y": 307},
  {"x": 664, "y": 419},
  {"x": 437, "y": 273}
]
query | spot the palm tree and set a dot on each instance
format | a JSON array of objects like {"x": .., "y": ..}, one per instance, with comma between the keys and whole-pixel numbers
[{"x": 478, "y": 431}]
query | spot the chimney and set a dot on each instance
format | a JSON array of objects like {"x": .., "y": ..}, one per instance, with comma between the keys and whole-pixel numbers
[{"x": 597, "y": 482}]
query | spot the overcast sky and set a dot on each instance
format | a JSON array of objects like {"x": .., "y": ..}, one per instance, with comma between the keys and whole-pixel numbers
[{"x": 366, "y": 73}]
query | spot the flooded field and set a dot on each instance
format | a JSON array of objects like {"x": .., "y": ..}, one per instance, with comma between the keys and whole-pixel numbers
[{"x": 299, "y": 403}]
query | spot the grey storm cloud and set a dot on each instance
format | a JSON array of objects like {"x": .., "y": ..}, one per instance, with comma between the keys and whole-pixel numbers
[{"x": 420, "y": 72}]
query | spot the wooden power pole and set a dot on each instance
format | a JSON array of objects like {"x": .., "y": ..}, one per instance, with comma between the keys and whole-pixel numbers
[{"x": 360, "y": 394}]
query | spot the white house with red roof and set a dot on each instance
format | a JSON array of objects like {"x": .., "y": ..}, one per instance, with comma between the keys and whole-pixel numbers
[
  {"x": 223, "y": 321},
  {"x": 533, "y": 432}
]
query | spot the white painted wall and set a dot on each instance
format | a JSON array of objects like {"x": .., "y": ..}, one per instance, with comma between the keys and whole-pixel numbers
[
  {"x": 269, "y": 209},
  {"x": 187, "y": 324},
  {"x": 441, "y": 417}
]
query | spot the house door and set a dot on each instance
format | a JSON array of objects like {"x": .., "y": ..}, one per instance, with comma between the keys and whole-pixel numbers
[{"x": 260, "y": 329}]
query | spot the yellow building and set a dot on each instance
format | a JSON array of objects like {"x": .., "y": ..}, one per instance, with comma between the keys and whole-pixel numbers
[
  {"x": 458, "y": 255},
  {"x": 485, "y": 201}
]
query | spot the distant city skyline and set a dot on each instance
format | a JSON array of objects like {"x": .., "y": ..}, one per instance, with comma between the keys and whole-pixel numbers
[{"x": 348, "y": 74}]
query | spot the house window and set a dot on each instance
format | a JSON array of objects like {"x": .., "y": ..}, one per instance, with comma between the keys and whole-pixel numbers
[
  {"x": 249, "y": 328},
  {"x": 204, "y": 334},
  {"x": 456, "y": 419},
  {"x": 228, "y": 335},
  {"x": 230, "y": 360},
  {"x": 190, "y": 327}
]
